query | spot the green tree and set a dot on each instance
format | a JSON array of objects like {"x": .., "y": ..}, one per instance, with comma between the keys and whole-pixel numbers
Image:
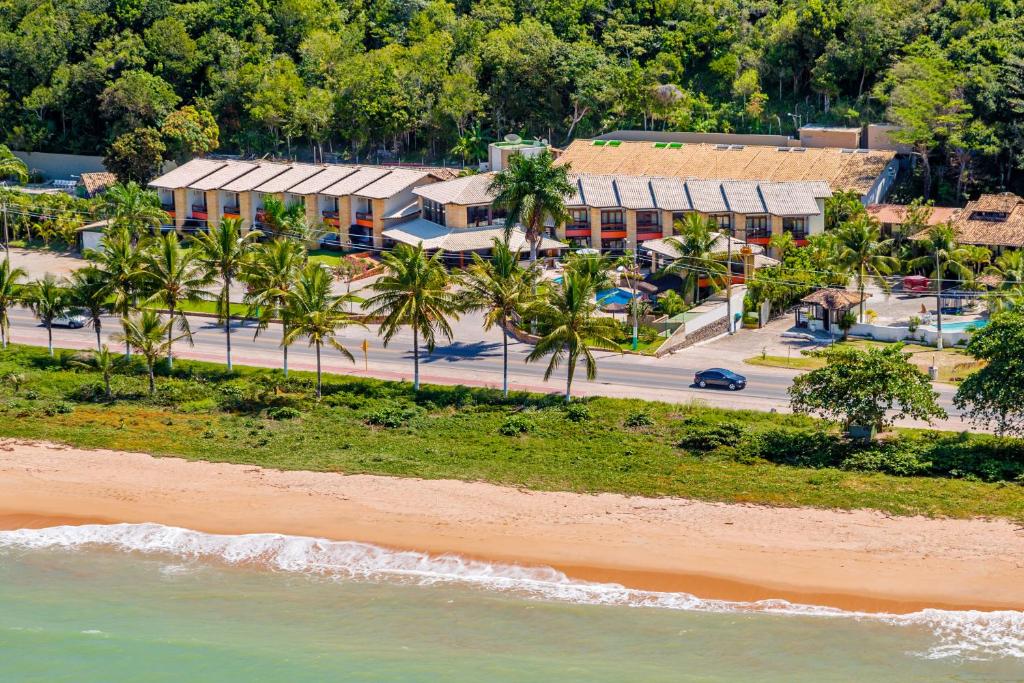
[
  {"x": 670, "y": 303},
  {"x": 10, "y": 294},
  {"x": 103, "y": 361},
  {"x": 700, "y": 256},
  {"x": 993, "y": 396},
  {"x": 502, "y": 289},
  {"x": 865, "y": 388},
  {"x": 225, "y": 250},
  {"x": 269, "y": 276},
  {"x": 317, "y": 314},
  {"x": 91, "y": 294},
  {"x": 782, "y": 243},
  {"x": 190, "y": 132},
  {"x": 134, "y": 208},
  {"x": 119, "y": 259},
  {"x": 49, "y": 299},
  {"x": 842, "y": 207},
  {"x": 568, "y": 314},
  {"x": 532, "y": 190},
  {"x": 148, "y": 333},
  {"x": 942, "y": 255},
  {"x": 413, "y": 291},
  {"x": 863, "y": 254},
  {"x": 136, "y": 156},
  {"x": 174, "y": 275},
  {"x": 137, "y": 99},
  {"x": 11, "y": 166}
]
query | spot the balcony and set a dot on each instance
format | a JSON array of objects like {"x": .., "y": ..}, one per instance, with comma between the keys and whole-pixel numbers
[
  {"x": 199, "y": 212},
  {"x": 330, "y": 217},
  {"x": 168, "y": 209},
  {"x": 365, "y": 219},
  {"x": 648, "y": 230},
  {"x": 577, "y": 230},
  {"x": 232, "y": 212},
  {"x": 613, "y": 231}
]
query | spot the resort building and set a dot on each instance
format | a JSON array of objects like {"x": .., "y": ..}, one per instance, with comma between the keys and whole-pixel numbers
[
  {"x": 892, "y": 216},
  {"x": 870, "y": 173},
  {"x": 995, "y": 221},
  {"x": 358, "y": 202}
]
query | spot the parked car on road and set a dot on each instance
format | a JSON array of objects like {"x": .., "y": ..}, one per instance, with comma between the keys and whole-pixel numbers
[
  {"x": 72, "y": 320},
  {"x": 719, "y": 377}
]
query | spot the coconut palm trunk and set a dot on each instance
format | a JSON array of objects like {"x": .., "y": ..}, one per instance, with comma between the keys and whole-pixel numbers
[
  {"x": 415, "y": 358},
  {"x": 319, "y": 376},
  {"x": 569, "y": 372},
  {"x": 227, "y": 317},
  {"x": 99, "y": 337},
  {"x": 504, "y": 356},
  {"x": 49, "y": 337},
  {"x": 170, "y": 337}
]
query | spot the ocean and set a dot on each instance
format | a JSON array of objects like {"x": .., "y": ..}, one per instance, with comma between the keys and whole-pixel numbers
[{"x": 148, "y": 603}]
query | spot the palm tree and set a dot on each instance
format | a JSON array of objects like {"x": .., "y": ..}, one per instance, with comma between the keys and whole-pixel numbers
[
  {"x": 630, "y": 269},
  {"x": 279, "y": 219},
  {"x": 270, "y": 276},
  {"x": 862, "y": 253},
  {"x": 1009, "y": 267},
  {"x": 942, "y": 255},
  {"x": 10, "y": 282},
  {"x": 671, "y": 303},
  {"x": 120, "y": 260},
  {"x": 105, "y": 362},
  {"x": 569, "y": 314},
  {"x": 315, "y": 313},
  {"x": 413, "y": 291},
  {"x": 531, "y": 191},
  {"x": 90, "y": 293},
  {"x": 782, "y": 243},
  {"x": 174, "y": 275},
  {"x": 501, "y": 288},
  {"x": 225, "y": 250},
  {"x": 49, "y": 299},
  {"x": 977, "y": 257},
  {"x": 148, "y": 333},
  {"x": 700, "y": 254},
  {"x": 11, "y": 166},
  {"x": 133, "y": 208}
]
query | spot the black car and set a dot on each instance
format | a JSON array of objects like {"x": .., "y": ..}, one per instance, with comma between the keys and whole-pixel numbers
[{"x": 719, "y": 377}]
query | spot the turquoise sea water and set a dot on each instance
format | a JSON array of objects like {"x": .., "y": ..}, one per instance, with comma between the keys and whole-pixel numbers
[{"x": 149, "y": 603}]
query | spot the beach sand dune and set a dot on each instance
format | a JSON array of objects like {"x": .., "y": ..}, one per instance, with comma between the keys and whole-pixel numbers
[{"x": 861, "y": 560}]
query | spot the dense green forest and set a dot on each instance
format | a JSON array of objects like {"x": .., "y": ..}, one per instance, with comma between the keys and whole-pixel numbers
[{"x": 428, "y": 79}]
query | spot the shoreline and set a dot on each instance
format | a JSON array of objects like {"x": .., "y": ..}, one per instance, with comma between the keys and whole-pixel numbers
[{"x": 853, "y": 560}]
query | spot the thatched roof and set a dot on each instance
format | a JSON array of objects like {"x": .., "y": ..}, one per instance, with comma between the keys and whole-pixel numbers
[{"x": 835, "y": 299}]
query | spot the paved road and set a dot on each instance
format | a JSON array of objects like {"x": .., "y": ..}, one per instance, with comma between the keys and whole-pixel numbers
[{"x": 476, "y": 363}]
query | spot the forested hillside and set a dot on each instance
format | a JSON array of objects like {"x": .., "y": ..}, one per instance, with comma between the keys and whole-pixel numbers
[{"x": 433, "y": 79}]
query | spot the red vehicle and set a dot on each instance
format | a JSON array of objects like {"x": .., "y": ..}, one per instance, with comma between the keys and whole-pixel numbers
[{"x": 917, "y": 283}]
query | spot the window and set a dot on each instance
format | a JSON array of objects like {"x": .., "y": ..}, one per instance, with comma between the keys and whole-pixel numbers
[
  {"x": 613, "y": 219},
  {"x": 722, "y": 220},
  {"x": 478, "y": 215},
  {"x": 796, "y": 226},
  {"x": 758, "y": 227},
  {"x": 578, "y": 219},
  {"x": 647, "y": 219},
  {"x": 433, "y": 211}
]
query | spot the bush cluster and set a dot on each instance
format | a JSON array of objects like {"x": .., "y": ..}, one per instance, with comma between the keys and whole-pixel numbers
[
  {"x": 577, "y": 412},
  {"x": 514, "y": 425}
]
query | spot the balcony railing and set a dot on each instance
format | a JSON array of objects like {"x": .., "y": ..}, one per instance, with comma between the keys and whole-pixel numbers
[
  {"x": 232, "y": 212},
  {"x": 613, "y": 230},
  {"x": 329, "y": 214},
  {"x": 364, "y": 218}
]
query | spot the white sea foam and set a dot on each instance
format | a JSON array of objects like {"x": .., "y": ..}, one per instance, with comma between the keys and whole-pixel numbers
[{"x": 967, "y": 634}]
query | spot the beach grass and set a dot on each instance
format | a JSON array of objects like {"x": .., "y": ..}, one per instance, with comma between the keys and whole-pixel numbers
[{"x": 624, "y": 446}]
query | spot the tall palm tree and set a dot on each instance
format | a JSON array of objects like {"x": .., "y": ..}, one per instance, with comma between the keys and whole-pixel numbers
[
  {"x": 942, "y": 255},
  {"x": 531, "y": 190},
  {"x": 317, "y": 314},
  {"x": 49, "y": 299},
  {"x": 700, "y": 254},
  {"x": 1009, "y": 268},
  {"x": 977, "y": 257},
  {"x": 147, "y": 333},
  {"x": 269, "y": 277},
  {"x": 133, "y": 208},
  {"x": 174, "y": 275},
  {"x": 501, "y": 288},
  {"x": 413, "y": 291},
  {"x": 279, "y": 219},
  {"x": 864, "y": 255},
  {"x": 90, "y": 293},
  {"x": 103, "y": 361},
  {"x": 225, "y": 250},
  {"x": 10, "y": 283},
  {"x": 11, "y": 166},
  {"x": 782, "y": 243},
  {"x": 569, "y": 314},
  {"x": 120, "y": 260}
]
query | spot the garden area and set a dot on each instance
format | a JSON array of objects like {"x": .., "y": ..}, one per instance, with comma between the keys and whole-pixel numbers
[{"x": 259, "y": 417}]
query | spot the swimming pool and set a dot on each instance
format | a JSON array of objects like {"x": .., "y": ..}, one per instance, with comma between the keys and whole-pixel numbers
[
  {"x": 616, "y": 295},
  {"x": 964, "y": 325}
]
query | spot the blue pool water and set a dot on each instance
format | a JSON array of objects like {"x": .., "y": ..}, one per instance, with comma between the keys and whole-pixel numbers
[
  {"x": 964, "y": 325},
  {"x": 614, "y": 296}
]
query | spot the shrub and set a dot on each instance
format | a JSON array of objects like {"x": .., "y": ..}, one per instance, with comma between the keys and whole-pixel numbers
[
  {"x": 577, "y": 412},
  {"x": 32, "y": 394},
  {"x": 61, "y": 408},
  {"x": 700, "y": 435},
  {"x": 801, "y": 448},
  {"x": 391, "y": 415},
  {"x": 639, "y": 418},
  {"x": 515, "y": 425},
  {"x": 888, "y": 459},
  {"x": 283, "y": 413}
]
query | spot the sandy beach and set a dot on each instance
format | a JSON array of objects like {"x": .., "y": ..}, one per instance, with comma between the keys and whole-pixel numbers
[{"x": 860, "y": 560}]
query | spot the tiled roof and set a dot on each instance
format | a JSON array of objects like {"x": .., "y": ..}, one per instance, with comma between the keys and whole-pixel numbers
[
  {"x": 841, "y": 169},
  {"x": 835, "y": 299},
  {"x": 897, "y": 213},
  {"x": 353, "y": 183},
  {"x": 290, "y": 178},
  {"x": 255, "y": 178},
  {"x": 393, "y": 183},
  {"x": 992, "y": 230},
  {"x": 187, "y": 173},
  {"x": 666, "y": 246},
  {"x": 321, "y": 181},
  {"x": 434, "y": 236},
  {"x": 223, "y": 176},
  {"x": 97, "y": 181},
  {"x": 465, "y": 191}
]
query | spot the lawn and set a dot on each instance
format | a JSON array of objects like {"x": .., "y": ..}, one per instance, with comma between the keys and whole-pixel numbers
[
  {"x": 210, "y": 307},
  {"x": 369, "y": 426}
]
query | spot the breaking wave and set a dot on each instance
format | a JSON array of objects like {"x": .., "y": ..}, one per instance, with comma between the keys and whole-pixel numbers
[{"x": 965, "y": 634}]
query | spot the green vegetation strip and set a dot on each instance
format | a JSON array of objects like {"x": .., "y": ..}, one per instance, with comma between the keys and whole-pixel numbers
[{"x": 625, "y": 446}]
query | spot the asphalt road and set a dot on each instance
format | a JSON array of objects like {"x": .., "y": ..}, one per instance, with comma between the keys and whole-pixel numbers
[{"x": 477, "y": 363}]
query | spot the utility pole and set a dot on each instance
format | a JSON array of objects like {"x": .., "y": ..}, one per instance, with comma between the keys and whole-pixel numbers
[
  {"x": 938, "y": 302},
  {"x": 633, "y": 302}
]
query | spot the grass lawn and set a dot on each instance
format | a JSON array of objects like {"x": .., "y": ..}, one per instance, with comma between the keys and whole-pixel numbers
[
  {"x": 240, "y": 310},
  {"x": 455, "y": 432},
  {"x": 328, "y": 257},
  {"x": 797, "y": 362}
]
